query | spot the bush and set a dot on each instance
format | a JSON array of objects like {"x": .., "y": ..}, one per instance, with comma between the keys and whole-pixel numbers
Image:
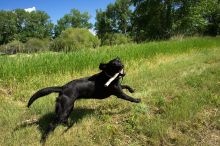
[
  {"x": 32, "y": 45},
  {"x": 73, "y": 39},
  {"x": 115, "y": 39},
  {"x": 12, "y": 47},
  {"x": 36, "y": 45}
]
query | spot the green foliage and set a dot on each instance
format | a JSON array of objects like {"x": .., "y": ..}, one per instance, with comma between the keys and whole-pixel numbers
[
  {"x": 36, "y": 45},
  {"x": 101, "y": 25},
  {"x": 73, "y": 19},
  {"x": 123, "y": 16},
  {"x": 163, "y": 19},
  {"x": 197, "y": 17},
  {"x": 213, "y": 16},
  {"x": 35, "y": 25},
  {"x": 21, "y": 25},
  {"x": 13, "y": 47},
  {"x": 31, "y": 46},
  {"x": 8, "y": 27},
  {"x": 142, "y": 20},
  {"x": 116, "y": 19},
  {"x": 73, "y": 39},
  {"x": 111, "y": 39},
  {"x": 156, "y": 19},
  {"x": 152, "y": 20}
]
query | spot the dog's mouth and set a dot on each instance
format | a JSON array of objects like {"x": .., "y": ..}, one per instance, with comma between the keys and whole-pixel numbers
[
  {"x": 119, "y": 74},
  {"x": 122, "y": 73},
  {"x": 120, "y": 69}
]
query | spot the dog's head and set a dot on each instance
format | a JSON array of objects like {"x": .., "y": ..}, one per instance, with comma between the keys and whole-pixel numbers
[{"x": 112, "y": 67}]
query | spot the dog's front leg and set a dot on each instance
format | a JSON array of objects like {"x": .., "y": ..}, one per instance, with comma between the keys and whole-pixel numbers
[
  {"x": 131, "y": 90},
  {"x": 122, "y": 95}
]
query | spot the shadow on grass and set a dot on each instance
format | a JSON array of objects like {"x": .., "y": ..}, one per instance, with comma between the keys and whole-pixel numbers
[{"x": 45, "y": 121}]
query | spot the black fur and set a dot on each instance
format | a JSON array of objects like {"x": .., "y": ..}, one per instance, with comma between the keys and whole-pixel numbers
[{"x": 86, "y": 88}]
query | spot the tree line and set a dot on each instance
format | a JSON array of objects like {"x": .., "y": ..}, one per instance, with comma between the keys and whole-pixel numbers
[
  {"x": 144, "y": 20},
  {"x": 124, "y": 21}
]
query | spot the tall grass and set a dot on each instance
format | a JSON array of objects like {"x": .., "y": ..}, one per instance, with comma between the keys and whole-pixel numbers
[{"x": 20, "y": 66}]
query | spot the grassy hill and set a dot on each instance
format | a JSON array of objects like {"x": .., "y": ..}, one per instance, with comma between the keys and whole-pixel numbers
[{"x": 177, "y": 80}]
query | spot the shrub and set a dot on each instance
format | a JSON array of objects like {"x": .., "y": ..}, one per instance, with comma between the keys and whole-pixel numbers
[
  {"x": 36, "y": 45},
  {"x": 73, "y": 39},
  {"x": 12, "y": 47},
  {"x": 115, "y": 39}
]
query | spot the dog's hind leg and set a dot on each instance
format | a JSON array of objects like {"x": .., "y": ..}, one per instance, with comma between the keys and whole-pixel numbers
[
  {"x": 49, "y": 129},
  {"x": 64, "y": 107}
]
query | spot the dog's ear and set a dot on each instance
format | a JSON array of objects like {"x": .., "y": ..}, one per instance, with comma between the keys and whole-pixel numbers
[
  {"x": 102, "y": 66},
  {"x": 117, "y": 58}
]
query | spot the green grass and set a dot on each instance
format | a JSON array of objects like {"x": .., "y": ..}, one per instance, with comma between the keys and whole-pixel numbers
[
  {"x": 178, "y": 82},
  {"x": 50, "y": 63}
]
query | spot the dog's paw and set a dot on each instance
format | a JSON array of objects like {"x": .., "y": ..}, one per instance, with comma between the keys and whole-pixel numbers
[
  {"x": 137, "y": 100},
  {"x": 131, "y": 90}
]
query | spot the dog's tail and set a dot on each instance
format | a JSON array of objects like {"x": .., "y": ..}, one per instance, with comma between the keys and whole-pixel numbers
[{"x": 43, "y": 92}]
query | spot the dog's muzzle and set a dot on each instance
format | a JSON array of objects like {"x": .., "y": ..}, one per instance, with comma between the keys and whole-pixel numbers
[
  {"x": 122, "y": 73},
  {"x": 117, "y": 75}
]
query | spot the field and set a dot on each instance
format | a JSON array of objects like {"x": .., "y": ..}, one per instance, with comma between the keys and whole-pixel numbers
[{"x": 178, "y": 82}]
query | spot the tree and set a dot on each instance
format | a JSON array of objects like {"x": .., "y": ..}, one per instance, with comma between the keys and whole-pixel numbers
[
  {"x": 123, "y": 15},
  {"x": 116, "y": 19},
  {"x": 212, "y": 16},
  {"x": 21, "y": 25},
  {"x": 101, "y": 25},
  {"x": 160, "y": 19},
  {"x": 73, "y": 19},
  {"x": 197, "y": 17},
  {"x": 152, "y": 19},
  {"x": 37, "y": 25},
  {"x": 8, "y": 27}
]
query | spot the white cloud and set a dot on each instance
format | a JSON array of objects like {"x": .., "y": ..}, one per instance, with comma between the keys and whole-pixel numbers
[{"x": 30, "y": 9}]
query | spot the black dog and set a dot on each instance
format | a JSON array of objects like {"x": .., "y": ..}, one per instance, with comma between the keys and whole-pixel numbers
[{"x": 86, "y": 88}]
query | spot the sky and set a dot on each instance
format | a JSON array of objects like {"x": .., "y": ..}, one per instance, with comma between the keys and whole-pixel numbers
[{"x": 56, "y": 9}]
